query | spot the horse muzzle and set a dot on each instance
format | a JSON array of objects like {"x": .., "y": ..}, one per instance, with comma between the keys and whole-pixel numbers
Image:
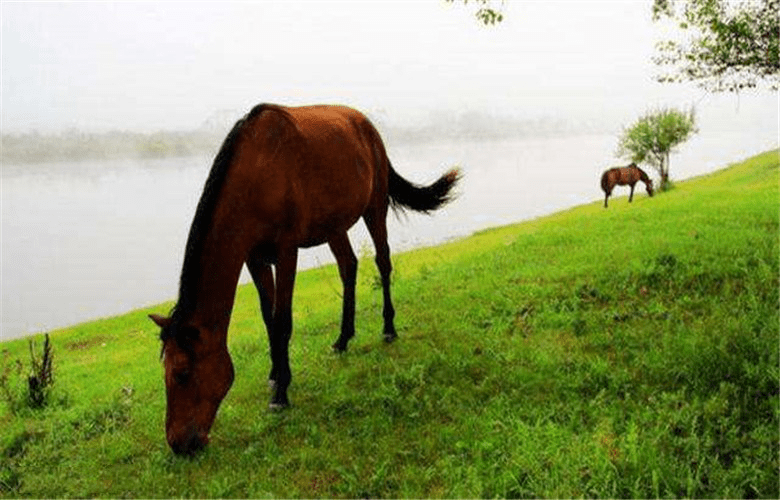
[{"x": 190, "y": 444}]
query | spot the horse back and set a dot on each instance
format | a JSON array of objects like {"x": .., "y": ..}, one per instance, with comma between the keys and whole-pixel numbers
[{"x": 305, "y": 172}]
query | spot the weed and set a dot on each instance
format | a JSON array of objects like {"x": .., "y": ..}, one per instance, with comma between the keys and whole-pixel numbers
[
  {"x": 36, "y": 393},
  {"x": 41, "y": 377}
]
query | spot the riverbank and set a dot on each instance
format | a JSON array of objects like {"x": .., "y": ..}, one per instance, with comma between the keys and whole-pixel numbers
[{"x": 626, "y": 352}]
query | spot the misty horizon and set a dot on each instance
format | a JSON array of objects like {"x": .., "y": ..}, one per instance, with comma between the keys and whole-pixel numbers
[{"x": 170, "y": 66}]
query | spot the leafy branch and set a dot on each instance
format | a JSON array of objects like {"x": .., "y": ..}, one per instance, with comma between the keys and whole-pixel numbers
[
  {"x": 486, "y": 13},
  {"x": 729, "y": 46}
]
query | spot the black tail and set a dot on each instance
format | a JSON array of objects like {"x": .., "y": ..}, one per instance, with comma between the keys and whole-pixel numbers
[{"x": 426, "y": 199}]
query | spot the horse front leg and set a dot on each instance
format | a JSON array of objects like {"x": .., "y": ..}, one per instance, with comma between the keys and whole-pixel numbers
[
  {"x": 282, "y": 327},
  {"x": 348, "y": 263},
  {"x": 631, "y": 196},
  {"x": 263, "y": 278}
]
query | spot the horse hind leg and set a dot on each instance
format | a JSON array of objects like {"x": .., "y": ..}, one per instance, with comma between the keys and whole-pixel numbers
[
  {"x": 377, "y": 228},
  {"x": 348, "y": 263}
]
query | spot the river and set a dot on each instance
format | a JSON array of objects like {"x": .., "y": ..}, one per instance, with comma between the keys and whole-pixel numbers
[{"x": 96, "y": 238}]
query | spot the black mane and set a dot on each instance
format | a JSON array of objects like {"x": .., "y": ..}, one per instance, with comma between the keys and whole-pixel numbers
[
  {"x": 642, "y": 174},
  {"x": 201, "y": 224}
]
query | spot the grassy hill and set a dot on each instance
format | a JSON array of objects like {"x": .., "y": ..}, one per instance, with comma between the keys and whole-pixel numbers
[{"x": 626, "y": 352}]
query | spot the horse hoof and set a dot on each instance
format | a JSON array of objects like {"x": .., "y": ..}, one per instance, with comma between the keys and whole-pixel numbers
[
  {"x": 390, "y": 338},
  {"x": 277, "y": 407},
  {"x": 338, "y": 348}
]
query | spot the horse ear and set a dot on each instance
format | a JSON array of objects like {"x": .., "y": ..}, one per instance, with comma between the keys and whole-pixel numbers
[{"x": 160, "y": 321}]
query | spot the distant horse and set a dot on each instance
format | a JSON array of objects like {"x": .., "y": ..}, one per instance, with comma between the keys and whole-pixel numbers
[
  {"x": 623, "y": 176},
  {"x": 284, "y": 178}
]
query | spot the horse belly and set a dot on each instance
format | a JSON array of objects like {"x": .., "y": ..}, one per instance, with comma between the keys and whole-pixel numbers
[{"x": 329, "y": 217}]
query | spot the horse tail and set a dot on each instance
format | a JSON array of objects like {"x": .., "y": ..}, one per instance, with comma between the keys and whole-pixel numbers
[{"x": 407, "y": 195}]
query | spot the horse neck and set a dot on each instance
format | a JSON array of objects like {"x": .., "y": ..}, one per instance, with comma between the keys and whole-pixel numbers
[
  {"x": 221, "y": 270},
  {"x": 219, "y": 267}
]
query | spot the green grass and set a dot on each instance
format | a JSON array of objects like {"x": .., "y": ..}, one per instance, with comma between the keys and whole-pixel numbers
[{"x": 627, "y": 352}]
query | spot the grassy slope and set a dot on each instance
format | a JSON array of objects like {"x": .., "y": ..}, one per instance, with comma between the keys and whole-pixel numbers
[{"x": 623, "y": 352}]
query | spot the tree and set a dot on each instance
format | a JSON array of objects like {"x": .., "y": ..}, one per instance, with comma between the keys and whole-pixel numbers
[
  {"x": 653, "y": 137},
  {"x": 486, "y": 13},
  {"x": 731, "y": 45}
]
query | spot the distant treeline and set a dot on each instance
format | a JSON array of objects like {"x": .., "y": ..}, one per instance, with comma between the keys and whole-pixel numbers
[
  {"x": 475, "y": 126},
  {"x": 74, "y": 145}
]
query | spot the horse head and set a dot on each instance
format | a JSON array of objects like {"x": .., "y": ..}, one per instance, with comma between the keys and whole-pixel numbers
[
  {"x": 649, "y": 187},
  {"x": 198, "y": 375}
]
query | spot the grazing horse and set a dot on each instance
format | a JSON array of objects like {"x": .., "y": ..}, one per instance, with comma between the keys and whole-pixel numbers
[
  {"x": 623, "y": 176},
  {"x": 284, "y": 179}
]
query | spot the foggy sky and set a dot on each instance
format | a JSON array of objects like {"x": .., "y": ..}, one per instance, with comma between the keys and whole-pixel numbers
[{"x": 174, "y": 65}]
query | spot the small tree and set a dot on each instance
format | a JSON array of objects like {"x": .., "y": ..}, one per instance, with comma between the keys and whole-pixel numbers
[{"x": 653, "y": 138}]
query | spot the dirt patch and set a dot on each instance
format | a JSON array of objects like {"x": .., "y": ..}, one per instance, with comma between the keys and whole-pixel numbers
[{"x": 82, "y": 345}]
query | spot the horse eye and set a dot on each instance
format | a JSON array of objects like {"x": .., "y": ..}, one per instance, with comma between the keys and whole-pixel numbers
[{"x": 182, "y": 378}]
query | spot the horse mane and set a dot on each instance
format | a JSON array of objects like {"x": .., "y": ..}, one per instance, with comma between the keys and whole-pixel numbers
[
  {"x": 642, "y": 174},
  {"x": 201, "y": 224}
]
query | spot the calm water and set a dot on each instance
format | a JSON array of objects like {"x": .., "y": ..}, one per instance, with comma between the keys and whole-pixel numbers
[{"x": 93, "y": 239}]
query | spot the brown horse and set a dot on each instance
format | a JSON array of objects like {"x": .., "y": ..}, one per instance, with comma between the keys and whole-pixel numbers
[
  {"x": 623, "y": 176},
  {"x": 284, "y": 178}
]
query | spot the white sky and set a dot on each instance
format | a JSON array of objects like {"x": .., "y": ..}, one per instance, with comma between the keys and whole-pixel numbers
[{"x": 173, "y": 65}]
